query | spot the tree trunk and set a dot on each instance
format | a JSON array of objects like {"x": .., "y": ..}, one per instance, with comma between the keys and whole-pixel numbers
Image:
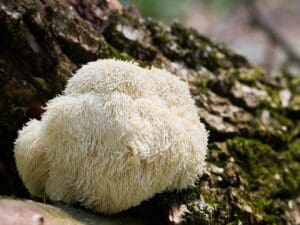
[{"x": 253, "y": 169}]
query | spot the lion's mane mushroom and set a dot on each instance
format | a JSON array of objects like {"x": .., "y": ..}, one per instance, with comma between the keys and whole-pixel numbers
[{"x": 118, "y": 135}]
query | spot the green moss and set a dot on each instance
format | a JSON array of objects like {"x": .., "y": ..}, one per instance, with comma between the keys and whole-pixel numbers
[
  {"x": 255, "y": 187},
  {"x": 116, "y": 38},
  {"x": 258, "y": 163},
  {"x": 125, "y": 18},
  {"x": 290, "y": 171},
  {"x": 203, "y": 52},
  {"x": 211, "y": 198},
  {"x": 268, "y": 177},
  {"x": 196, "y": 51},
  {"x": 277, "y": 131},
  {"x": 236, "y": 222},
  {"x": 293, "y": 152},
  {"x": 253, "y": 156},
  {"x": 275, "y": 102},
  {"x": 293, "y": 83},
  {"x": 267, "y": 209},
  {"x": 251, "y": 76},
  {"x": 288, "y": 128},
  {"x": 114, "y": 53},
  {"x": 199, "y": 86},
  {"x": 295, "y": 102},
  {"x": 291, "y": 180},
  {"x": 267, "y": 173}
]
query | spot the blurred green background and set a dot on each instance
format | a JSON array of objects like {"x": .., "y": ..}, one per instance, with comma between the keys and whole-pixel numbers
[
  {"x": 230, "y": 22},
  {"x": 170, "y": 9}
]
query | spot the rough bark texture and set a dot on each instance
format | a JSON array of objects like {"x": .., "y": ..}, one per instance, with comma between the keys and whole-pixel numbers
[{"x": 253, "y": 172}]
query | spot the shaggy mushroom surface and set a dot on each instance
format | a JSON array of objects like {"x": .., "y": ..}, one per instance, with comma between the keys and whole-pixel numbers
[{"x": 118, "y": 135}]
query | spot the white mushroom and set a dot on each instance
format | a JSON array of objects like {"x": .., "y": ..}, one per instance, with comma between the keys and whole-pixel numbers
[{"x": 118, "y": 135}]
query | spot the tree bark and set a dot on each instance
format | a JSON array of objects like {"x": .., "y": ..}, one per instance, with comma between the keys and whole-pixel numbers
[{"x": 253, "y": 172}]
